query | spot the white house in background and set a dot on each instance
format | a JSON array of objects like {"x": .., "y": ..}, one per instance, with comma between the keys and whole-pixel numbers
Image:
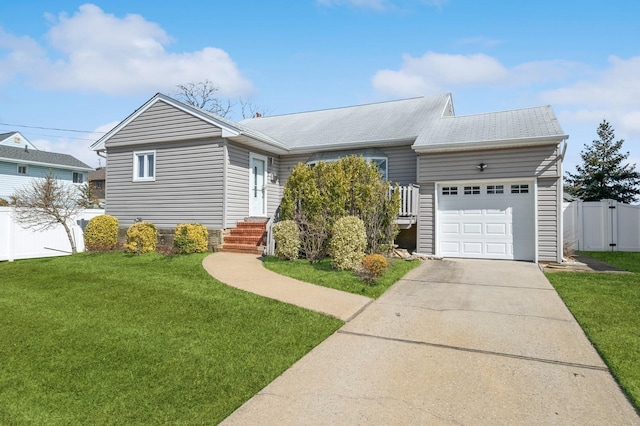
[
  {"x": 483, "y": 185},
  {"x": 21, "y": 161}
]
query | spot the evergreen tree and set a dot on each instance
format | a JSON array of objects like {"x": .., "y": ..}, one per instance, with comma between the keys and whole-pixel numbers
[{"x": 604, "y": 174}]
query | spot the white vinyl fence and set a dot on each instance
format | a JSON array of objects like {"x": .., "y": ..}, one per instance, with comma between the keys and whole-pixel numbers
[
  {"x": 19, "y": 243},
  {"x": 605, "y": 225}
]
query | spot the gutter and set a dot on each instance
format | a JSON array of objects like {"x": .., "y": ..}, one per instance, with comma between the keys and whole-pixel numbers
[{"x": 474, "y": 145}]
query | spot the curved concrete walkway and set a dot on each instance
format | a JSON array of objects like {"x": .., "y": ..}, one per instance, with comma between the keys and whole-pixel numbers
[{"x": 246, "y": 272}]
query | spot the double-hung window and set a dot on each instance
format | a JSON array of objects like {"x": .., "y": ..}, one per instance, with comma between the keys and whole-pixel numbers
[
  {"x": 144, "y": 165},
  {"x": 78, "y": 177}
]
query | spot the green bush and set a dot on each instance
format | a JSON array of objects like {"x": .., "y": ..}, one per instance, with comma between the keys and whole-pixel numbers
[
  {"x": 315, "y": 197},
  {"x": 191, "y": 238},
  {"x": 142, "y": 237},
  {"x": 373, "y": 265},
  {"x": 3, "y": 202},
  {"x": 101, "y": 233},
  {"x": 287, "y": 238},
  {"x": 348, "y": 243}
]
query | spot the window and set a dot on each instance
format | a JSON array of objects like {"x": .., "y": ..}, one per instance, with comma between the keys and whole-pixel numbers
[
  {"x": 471, "y": 190},
  {"x": 97, "y": 184},
  {"x": 495, "y": 189},
  {"x": 144, "y": 165},
  {"x": 376, "y": 156},
  {"x": 78, "y": 177},
  {"x": 519, "y": 189},
  {"x": 22, "y": 169},
  {"x": 449, "y": 190}
]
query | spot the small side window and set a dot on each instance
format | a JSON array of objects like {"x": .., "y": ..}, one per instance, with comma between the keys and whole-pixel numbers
[
  {"x": 495, "y": 189},
  {"x": 144, "y": 165},
  {"x": 449, "y": 190},
  {"x": 471, "y": 190},
  {"x": 22, "y": 169},
  {"x": 78, "y": 177},
  {"x": 519, "y": 189}
]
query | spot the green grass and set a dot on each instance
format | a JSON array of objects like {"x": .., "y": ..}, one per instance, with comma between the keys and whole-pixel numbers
[
  {"x": 120, "y": 339},
  {"x": 607, "y": 306},
  {"x": 321, "y": 273}
]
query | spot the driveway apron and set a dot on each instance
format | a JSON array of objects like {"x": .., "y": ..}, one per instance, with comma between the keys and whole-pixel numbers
[{"x": 454, "y": 342}]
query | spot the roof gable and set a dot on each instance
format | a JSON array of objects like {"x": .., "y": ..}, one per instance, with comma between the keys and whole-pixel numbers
[{"x": 15, "y": 139}]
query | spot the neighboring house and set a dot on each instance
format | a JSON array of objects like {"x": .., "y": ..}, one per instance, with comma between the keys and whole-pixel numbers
[
  {"x": 97, "y": 179},
  {"x": 490, "y": 185},
  {"x": 21, "y": 161}
]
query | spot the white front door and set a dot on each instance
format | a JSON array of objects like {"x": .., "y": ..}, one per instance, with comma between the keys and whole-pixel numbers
[
  {"x": 490, "y": 221},
  {"x": 257, "y": 185}
]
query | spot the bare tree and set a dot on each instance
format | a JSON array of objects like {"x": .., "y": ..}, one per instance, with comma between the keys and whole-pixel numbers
[
  {"x": 203, "y": 95},
  {"x": 45, "y": 203}
]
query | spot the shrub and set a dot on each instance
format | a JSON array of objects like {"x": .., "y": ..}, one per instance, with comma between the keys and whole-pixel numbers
[
  {"x": 3, "y": 202},
  {"x": 373, "y": 265},
  {"x": 142, "y": 237},
  {"x": 315, "y": 197},
  {"x": 287, "y": 238},
  {"x": 101, "y": 233},
  {"x": 191, "y": 238},
  {"x": 348, "y": 243}
]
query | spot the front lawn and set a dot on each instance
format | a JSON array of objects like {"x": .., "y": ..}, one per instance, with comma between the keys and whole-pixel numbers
[
  {"x": 122, "y": 339},
  {"x": 607, "y": 306},
  {"x": 321, "y": 273}
]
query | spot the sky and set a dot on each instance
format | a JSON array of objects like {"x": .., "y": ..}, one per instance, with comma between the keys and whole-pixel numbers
[{"x": 70, "y": 71}]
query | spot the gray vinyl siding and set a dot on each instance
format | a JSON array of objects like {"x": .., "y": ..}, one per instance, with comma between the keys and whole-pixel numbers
[
  {"x": 548, "y": 220},
  {"x": 274, "y": 188},
  {"x": 426, "y": 220},
  {"x": 188, "y": 185},
  {"x": 288, "y": 163},
  {"x": 161, "y": 123},
  {"x": 402, "y": 164},
  {"x": 237, "y": 197},
  {"x": 540, "y": 161}
]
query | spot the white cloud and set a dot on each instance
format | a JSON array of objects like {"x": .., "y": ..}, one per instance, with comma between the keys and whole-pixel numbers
[
  {"x": 437, "y": 72},
  {"x": 100, "y": 52}
]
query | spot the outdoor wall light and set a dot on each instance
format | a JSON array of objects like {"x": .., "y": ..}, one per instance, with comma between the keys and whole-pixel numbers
[{"x": 482, "y": 166}]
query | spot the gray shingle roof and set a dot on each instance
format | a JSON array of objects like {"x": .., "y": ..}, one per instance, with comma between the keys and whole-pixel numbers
[
  {"x": 515, "y": 125},
  {"x": 401, "y": 120},
  {"x": 42, "y": 157}
]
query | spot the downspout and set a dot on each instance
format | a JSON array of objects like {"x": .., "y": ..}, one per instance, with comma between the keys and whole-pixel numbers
[{"x": 561, "y": 203}]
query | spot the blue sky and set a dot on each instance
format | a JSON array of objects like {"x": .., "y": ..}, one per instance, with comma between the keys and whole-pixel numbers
[{"x": 87, "y": 66}]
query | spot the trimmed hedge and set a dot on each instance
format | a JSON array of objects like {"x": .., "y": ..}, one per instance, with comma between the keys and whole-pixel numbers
[
  {"x": 191, "y": 238},
  {"x": 287, "y": 238},
  {"x": 348, "y": 243},
  {"x": 142, "y": 237},
  {"x": 101, "y": 233}
]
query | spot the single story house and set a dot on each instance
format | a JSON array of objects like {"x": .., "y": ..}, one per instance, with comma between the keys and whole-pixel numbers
[
  {"x": 21, "y": 161},
  {"x": 481, "y": 186}
]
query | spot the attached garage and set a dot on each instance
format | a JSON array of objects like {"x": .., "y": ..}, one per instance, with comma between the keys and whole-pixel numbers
[{"x": 494, "y": 220}]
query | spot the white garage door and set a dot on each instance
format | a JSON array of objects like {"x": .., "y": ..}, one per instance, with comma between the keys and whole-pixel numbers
[{"x": 489, "y": 221}]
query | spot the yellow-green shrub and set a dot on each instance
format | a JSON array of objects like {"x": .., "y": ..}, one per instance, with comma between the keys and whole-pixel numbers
[
  {"x": 287, "y": 238},
  {"x": 373, "y": 265},
  {"x": 348, "y": 243},
  {"x": 3, "y": 202},
  {"x": 191, "y": 238},
  {"x": 142, "y": 237},
  {"x": 101, "y": 233}
]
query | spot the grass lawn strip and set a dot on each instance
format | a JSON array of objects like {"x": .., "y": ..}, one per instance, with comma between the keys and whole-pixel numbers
[
  {"x": 607, "y": 307},
  {"x": 120, "y": 339},
  {"x": 321, "y": 273}
]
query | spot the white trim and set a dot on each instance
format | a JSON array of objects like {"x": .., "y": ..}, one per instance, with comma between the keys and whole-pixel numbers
[
  {"x": 482, "y": 145},
  {"x": 146, "y": 177},
  {"x": 225, "y": 184},
  {"x": 535, "y": 220},
  {"x": 263, "y": 158},
  {"x": 49, "y": 165}
]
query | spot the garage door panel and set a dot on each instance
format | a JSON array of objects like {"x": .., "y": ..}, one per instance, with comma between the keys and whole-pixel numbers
[{"x": 487, "y": 225}]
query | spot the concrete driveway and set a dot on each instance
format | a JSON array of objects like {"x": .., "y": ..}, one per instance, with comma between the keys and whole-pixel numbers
[{"x": 455, "y": 342}]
